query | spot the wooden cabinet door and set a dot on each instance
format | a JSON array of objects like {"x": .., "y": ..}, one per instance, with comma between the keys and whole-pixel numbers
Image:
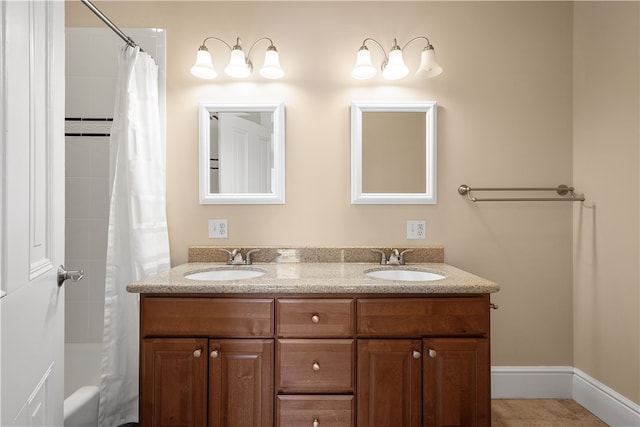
[
  {"x": 241, "y": 383},
  {"x": 174, "y": 382},
  {"x": 457, "y": 382},
  {"x": 389, "y": 381}
]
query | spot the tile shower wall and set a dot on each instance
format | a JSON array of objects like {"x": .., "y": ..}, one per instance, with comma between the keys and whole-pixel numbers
[
  {"x": 91, "y": 75},
  {"x": 87, "y": 214}
]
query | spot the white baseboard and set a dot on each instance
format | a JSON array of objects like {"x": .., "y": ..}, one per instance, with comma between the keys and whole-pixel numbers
[
  {"x": 607, "y": 404},
  {"x": 564, "y": 382},
  {"x": 531, "y": 382}
]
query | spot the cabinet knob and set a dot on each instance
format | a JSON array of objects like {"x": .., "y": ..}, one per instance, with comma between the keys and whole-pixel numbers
[
  {"x": 197, "y": 353},
  {"x": 315, "y": 318},
  {"x": 315, "y": 423},
  {"x": 214, "y": 354},
  {"x": 432, "y": 353},
  {"x": 416, "y": 354},
  {"x": 315, "y": 366}
]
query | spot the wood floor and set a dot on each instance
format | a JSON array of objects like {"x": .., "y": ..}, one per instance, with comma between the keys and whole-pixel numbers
[{"x": 541, "y": 413}]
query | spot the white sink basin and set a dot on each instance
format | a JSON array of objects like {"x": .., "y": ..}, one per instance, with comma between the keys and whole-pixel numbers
[
  {"x": 401, "y": 274},
  {"x": 226, "y": 274}
]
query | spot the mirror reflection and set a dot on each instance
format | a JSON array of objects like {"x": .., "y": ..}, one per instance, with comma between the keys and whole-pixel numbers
[
  {"x": 241, "y": 148},
  {"x": 241, "y": 153},
  {"x": 393, "y": 147},
  {"x": 394, "y": 152}
]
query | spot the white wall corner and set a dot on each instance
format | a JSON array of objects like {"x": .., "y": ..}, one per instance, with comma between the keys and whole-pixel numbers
[
  {"x": 564, "y": 382},
  {"x": 607, "y": 404}
]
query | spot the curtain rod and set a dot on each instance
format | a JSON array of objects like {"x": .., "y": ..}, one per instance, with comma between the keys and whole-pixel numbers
[{"x": 110, "y": 24}]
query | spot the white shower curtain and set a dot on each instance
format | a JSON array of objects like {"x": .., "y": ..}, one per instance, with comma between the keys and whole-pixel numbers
[{"x": 138, "y": 243}]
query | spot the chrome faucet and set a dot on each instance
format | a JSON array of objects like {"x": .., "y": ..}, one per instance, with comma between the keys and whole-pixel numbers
[
  {"x": 235, "y": 256},
  {"x": 395, "y": 258}
]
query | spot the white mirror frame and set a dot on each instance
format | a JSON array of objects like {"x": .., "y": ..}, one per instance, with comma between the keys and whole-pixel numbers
[
  {"x": 277, "y": 197},
  {"x": 357, "y": 196}
]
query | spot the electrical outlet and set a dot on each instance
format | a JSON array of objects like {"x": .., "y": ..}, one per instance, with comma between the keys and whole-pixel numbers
[
  {"x": 416, "y": 229},
  {"x": 218, "y": 229}
]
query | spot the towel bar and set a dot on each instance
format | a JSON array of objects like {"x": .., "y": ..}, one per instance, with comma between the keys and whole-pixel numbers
[{"x": 562, "y": 190}]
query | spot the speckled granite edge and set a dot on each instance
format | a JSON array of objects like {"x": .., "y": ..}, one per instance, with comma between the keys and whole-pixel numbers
[
  {"x": 313, "y": 278},
  {"x": 425, "y": 254}
]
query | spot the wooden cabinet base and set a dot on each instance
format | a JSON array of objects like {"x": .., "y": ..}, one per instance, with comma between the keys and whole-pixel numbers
[{"x": 321, "y": 360}]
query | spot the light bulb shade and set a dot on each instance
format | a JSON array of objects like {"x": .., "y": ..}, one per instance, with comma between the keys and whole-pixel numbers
[
  {"x": 428, "y": 65},
  {"x": 271, "y": 67},
  {"x": 237, "y": 64},
  {"x": 203, "y": 67},
  {"x": 395, "y": 68},
  {"x": 364, "y": 68}
]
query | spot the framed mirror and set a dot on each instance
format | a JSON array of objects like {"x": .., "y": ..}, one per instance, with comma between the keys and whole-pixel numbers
[
  {"x": 241, "y": 153},
  {"x": 393, "y": 153}
]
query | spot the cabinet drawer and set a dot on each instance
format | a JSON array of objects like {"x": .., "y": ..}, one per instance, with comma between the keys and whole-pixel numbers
[
  {"x": 315, "y": 366},
  {"x": 219, "y": 317},
  {"x": 302, "y": 411},
  {"x": 315, "y": 317},
  {"x": 415, "y": 317}
]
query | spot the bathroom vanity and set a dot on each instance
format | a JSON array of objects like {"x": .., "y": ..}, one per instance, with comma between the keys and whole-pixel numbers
[{"x": 314, "y": 344}]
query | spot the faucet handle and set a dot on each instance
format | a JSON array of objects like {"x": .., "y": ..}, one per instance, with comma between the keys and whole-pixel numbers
[
  {"x": 229, "y": 253},
  {"x": 401, "y": 260},
  {"x": 247, "y": 259},
  {"x": 383, "y": 259}
]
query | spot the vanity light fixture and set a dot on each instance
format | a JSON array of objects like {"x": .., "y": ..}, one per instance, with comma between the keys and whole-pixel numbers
[
  {"x": 393, "y": 67},
  {"x": 240, "y": 66}
]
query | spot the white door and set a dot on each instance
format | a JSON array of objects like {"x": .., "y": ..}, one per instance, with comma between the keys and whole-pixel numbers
[
  {"x": 245, "y": 155},
  {"x": 32, "y": 214}
]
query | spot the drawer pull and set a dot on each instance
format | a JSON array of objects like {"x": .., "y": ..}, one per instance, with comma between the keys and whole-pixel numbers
[
  {"x": 416, "y": 354},
  {"x": 432, "y": 353},
  {"x": 214, "y": 354},
  {"x": 197, "y": 353},
  {"x": 315, "y": 423},
  {"x": 315, "y": 318},
  {"x": 315, "y": 366}
]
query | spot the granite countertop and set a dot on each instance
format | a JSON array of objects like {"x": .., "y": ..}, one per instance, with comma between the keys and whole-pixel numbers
[{"x": 314, "y": 278}]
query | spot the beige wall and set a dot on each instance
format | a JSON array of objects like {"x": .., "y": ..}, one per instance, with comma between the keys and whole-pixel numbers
[
  {"x": 504, "y": 119},
  {"x": 606, "y": 135}
]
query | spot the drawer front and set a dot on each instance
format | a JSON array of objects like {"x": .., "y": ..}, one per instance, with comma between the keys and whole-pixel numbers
[
  {"x": 219, "y": 317},
  {"x": 416, "y": 317},
  {"x": 315, "y": 366},
  {"x": 315, "y": 318},
  {"x": 302, "y": 411}
]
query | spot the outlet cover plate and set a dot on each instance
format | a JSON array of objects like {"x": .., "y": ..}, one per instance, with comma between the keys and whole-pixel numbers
[
  {"x": 416, "y": 229},
  {"x": 218, "y": 229}
]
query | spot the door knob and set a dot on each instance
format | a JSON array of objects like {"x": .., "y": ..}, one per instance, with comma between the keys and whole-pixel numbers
[{"x": 64, "y": 274}]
